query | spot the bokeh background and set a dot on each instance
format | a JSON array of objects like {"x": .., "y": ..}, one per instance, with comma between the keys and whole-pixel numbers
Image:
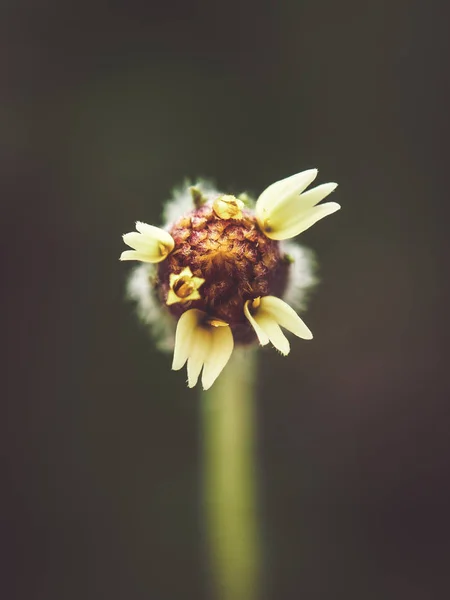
[{"x": 106, "y": 106}]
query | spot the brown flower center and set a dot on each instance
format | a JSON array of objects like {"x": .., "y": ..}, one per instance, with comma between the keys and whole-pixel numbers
[{"x": 236, "y": 260}]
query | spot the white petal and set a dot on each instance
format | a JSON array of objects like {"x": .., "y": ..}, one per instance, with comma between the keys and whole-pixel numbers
[
  {"x": 219, "y": 354},
  {"x": 292, "y": 207},
  {"x": 198, "y": 353},
  {"x": 160, "y": 235},
  {"x": 285, "y": 316},
  {"x": 303, "y": 221},
  {"x": 278, "y": 190},
  {"x": 315, "y": 195},
  {"x": 271, "y": 328},
  {"x": 141, "y": 242},
  {"x": 186, "y": 326},
  {"x": 133, "y": 255},
  {"x": 262, "y": 337},
  {"x": 151, "y": 243}
]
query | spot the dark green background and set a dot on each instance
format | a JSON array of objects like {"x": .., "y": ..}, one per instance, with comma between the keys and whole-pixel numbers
[{"x": 105, "y": 107}]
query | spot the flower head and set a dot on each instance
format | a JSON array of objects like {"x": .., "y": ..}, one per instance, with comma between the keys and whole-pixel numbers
[{"x": 223, "y": 270}]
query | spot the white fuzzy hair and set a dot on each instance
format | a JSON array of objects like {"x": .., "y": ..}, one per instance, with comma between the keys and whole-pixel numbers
[
  {"x": 149, "y": 308},
  {"x": 182, "y": 203},
  {"x": 301, "y": 275}
]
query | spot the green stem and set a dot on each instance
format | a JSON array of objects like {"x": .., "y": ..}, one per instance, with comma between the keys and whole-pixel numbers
[{"x": 230, "y": 494}]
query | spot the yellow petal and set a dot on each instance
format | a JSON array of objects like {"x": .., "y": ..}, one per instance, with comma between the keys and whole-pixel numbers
[
  {"x": 300, "y": 222},
  {"x": 151, "y": 244},
  {"x": 290, "y": 209},
  {"x": 285, "y": 316},
  {"x": 219, "y": 354},
  {"x": 157, "y": 233},
  {"x": 271, "y": 196},
  {"x": 186, "y": 326},
  {"x": 271, "y": 328},
  {"x": 313, "y": 196},
  {"x": 267, "y": 314},
  {"x": 133, "y": 255},
  {"x": 203, "y": 346},
  {"x": 262, "y": 337},
  {"x": 200, "y": 348},
  {"x": 135, "y": 239}
]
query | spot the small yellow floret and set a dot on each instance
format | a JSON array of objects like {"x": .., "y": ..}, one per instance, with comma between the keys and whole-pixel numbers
[
  {"x": 217, "y": 323},
  {"x": 184, "y": 287},
  {"x": 228, "y": 207}
]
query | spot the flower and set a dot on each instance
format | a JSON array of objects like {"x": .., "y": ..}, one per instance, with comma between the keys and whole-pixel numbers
[
  {"x": 204, "y": 343},
  {"x": 225, "y": 271},
  {"x": 284, "y": 210},
  {"x": 151, "y": 244}
]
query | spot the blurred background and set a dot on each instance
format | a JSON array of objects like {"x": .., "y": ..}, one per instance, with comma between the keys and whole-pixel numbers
[{"x": 105, "y": 107}]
